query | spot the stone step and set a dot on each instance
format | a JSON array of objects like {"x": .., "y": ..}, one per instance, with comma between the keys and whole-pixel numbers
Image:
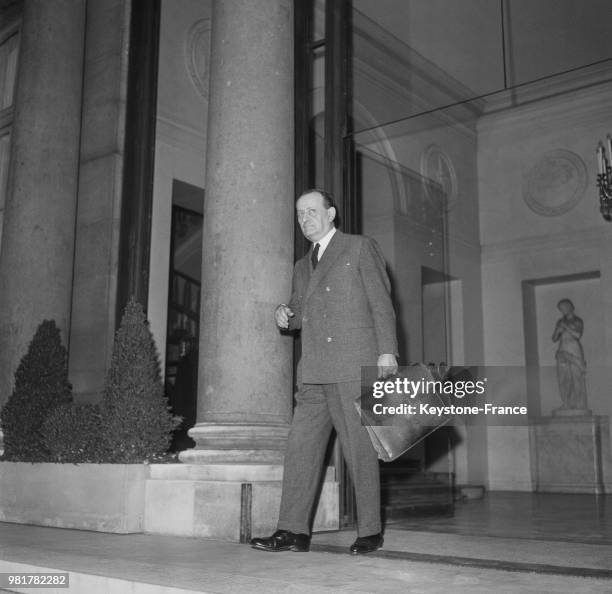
[
  {"x": 423, "y": 497},
  {"x": 101, "y": 563},
  {"x": 92, "y": 583},
  {"x": 406, "y": 493},
  {"x": 408, "y": 511},
  {"x": 413, "y": 484}
]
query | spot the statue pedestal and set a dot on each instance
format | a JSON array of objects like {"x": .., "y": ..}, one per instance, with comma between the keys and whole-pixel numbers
[
  {"x": 572, "y": 454},
  {"x": 572, "y": 412}
]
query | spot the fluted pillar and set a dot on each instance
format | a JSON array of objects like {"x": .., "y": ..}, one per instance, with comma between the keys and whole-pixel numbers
[
  {"x": 38, "y": 235},
  {"x": 245, "y": 383}
]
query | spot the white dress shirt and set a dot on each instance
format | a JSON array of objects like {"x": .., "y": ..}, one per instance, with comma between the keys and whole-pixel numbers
[{"x": 324, "y": 242}]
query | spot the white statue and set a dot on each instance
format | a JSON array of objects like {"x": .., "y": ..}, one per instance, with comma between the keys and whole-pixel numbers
[{"x": 571, "y": 365}]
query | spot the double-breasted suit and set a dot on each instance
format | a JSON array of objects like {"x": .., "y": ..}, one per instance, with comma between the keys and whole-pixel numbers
[{"x": 344, "y": 311}]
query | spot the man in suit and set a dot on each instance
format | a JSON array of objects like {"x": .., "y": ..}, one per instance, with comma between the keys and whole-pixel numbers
[{"x": 341, "y": 303}]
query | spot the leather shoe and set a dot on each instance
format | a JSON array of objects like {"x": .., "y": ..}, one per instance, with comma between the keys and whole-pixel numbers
[
  {"x": 283, "y": 540},
  {"x": 367, "y": 544}
]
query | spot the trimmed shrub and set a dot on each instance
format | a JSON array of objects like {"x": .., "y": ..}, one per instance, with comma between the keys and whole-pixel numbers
[
  {"x": 72, "y": 433},
  {"x": 41, "y": 385},
  {"x": 136, "y": 422}
]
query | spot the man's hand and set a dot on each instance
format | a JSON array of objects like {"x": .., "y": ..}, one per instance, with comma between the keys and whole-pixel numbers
[
  {"x": 387, "y": 365},
  {"x": 282, "y": 314}
]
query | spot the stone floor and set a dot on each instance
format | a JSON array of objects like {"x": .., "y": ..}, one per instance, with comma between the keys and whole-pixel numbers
[
  {"x": 507, "y": 543},
  {"x": 575, "y": 518}
]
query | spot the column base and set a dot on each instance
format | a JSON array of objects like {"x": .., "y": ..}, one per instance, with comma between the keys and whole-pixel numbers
[
  {"x": 236, "y": 444},
  {"x": 196, "y": 456},
  {"x": 226, "y": 501}
]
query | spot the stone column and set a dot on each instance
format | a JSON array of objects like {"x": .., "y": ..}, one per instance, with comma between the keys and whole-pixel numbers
[
  {"x": 98, "y": 218},
  {"x": 38, "y": 237},
  {"x": 245, "y": 384}
]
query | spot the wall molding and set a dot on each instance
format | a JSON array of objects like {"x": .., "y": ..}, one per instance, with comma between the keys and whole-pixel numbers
[
  {"x": 589, "y": 238},
  {"x": 589, "y": 105},
  {"x": 180, "y": 136}
]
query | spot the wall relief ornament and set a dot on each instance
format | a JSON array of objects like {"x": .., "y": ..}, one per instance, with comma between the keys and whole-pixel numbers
[
  {"x": 437, "y": 166},
  {"x": 555, "y": 184},
  {"x": 197, "y": 55}
]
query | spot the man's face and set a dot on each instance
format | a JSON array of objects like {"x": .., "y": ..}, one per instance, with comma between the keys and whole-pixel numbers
[{"x": 314, "y": 219}]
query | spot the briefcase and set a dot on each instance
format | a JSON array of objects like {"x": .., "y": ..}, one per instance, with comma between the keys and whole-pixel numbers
[{"x": 419, "y": 408}]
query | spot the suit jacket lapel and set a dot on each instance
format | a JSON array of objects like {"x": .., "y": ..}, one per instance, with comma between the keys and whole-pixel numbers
[{"x": 330, "y": 255}]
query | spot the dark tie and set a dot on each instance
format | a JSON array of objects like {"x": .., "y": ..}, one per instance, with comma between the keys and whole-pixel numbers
[{"x": 314, "y": 257}]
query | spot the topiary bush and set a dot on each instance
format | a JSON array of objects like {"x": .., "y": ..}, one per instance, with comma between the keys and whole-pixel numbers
[
  {"x": 41, "y": 385},
  {"x": 72, "y": 433},
  {"x": 132, "y": 424},
  {"x": 136, "y": 422}
]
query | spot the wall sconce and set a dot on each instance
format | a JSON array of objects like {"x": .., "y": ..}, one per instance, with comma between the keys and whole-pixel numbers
[{"x": 604, "y": 179}]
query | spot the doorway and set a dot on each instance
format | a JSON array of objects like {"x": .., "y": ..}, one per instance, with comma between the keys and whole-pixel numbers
[{"x": 184, "y": 290}]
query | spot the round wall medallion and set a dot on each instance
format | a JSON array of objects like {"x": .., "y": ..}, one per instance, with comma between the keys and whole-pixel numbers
[
  {"x": 197, "y": 52},
  {"x": 555, "y": 184},
  {"x": 437, "y": 167}
]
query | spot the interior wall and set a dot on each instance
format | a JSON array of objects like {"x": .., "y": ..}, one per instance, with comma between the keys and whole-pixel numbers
[
  {"x": 435, "y": 322},
  {"x": 180, "y": 150},
  {"x": 539, "y": 219}
]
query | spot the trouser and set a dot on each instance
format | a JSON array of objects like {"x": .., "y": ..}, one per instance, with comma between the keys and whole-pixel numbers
[{"x": 318, "y": 408}]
